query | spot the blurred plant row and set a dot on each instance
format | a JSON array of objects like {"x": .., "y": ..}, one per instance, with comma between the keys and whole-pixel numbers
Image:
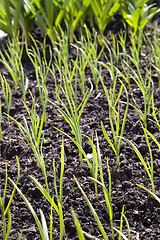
[{"x": 53, "y": 15}]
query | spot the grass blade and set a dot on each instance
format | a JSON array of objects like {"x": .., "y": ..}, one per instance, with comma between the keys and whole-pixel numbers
[
  {"x": 44, "y": 225},
  {"x": 93, "y": 211},
  {"x": 78, "y": 226},
  {"x": 147, "y": 190},
  {"x": 31, "y": 209}
]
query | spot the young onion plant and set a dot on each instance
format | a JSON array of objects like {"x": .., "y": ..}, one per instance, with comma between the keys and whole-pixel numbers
[
  {"x": 92, "y": 160},
  {"x": 148, "y": 166},
  {"x": 73, "y": 113},
  {"x": 113, "y": 50},
  {"x": 43, "y": 230},
  {"x": 38, "y": 56},
  {"x": 156, "y": 115},
  {"x": 93, "y": 165},
  {"x": 110, "y": 61},
  {"x": 61, "y": 62},
  {"x": 81, "y": 63},
  {"x": 125, "y": 74},
  {"x": 81, "y": 67},
  {"x": 12, "y": 60},
  {"x": 89, "y": 56},
  {"x": 156, "y": 57},
  {"x": 150, "y": 192},
  {"x": 152, "y": 137},
  {"x": 146, "y": 87},
  {"x": 42, "y": 68},
  {"x": 156, "y": 54},
  {"x": 78, "y": 226},
  {"x": 7, "y": 95},
  {"x": 32, "y": 131},
  {"x": 108, "y": 202},
  {"x": 5, "y": 206},
  {"x": 114, "y": 118},
  {"x": 0, "y": 123}
]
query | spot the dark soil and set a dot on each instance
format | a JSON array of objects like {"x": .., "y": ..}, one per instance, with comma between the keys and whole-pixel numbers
[{"x": 141, "y": 210}]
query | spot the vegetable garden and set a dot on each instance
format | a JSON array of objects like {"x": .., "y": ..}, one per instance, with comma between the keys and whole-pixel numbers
[{"x": 80, "y": 119}]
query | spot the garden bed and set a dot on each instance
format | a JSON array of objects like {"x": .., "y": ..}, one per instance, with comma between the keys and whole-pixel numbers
[{"x": 141, "y": 209}]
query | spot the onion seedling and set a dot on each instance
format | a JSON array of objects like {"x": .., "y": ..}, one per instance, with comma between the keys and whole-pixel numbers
[
  {"x": 45, "y": 235},
  {"x": 42, "y": 68},
  {"x": 33, "y": 134},
  {"x": 93, "y": 212},
  {"x": 94, "y": 162},
  {"x": 121, "y": 225},
  {"x": 122, "y": 39},
  {"x": 58, "y": 82},
  {"x": 73, "y": 114},
  {"x": 150, "y": 192},
  {"x": 156, "y": 54},
  {"x": 135, "y": 50},
  {"x": 61, "y": 49},
  {"x": 122, "y": 44},
  {"x": 152, "y": 137},
  {"x": 91, "y": 161},
  {"x": 113, "y": 48},
  {"x": 39, "y": 60},
  {"x": 114, "y": 118},
  {"x": 61, "y": 60},
  {"x": 155, "y": 113},
  {"x": 5, "y": 207},
  {"x": 86, "y": 58},
  {"x": 41, "y": 227},
  {"x": 147, "y": 103},
  {"x": 81, "y": 67},
  {"x": 107, "y": 194},
  {"x": 110, "y": 60},
  {"x": 58, "y": 206},
  {"x": 12, "y": 60},
  {"x": 147, "y": 166},
  {"x": 147, "y": 89},
  {"x": 89, "y": 56},
  {"x": 78, "y": 226},
  {"x": 6, "y": 92},
  {"x": 0, "y": 123}
]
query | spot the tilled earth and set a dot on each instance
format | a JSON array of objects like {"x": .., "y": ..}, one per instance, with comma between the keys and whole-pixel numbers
[{"x": 141, "y": 210}]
